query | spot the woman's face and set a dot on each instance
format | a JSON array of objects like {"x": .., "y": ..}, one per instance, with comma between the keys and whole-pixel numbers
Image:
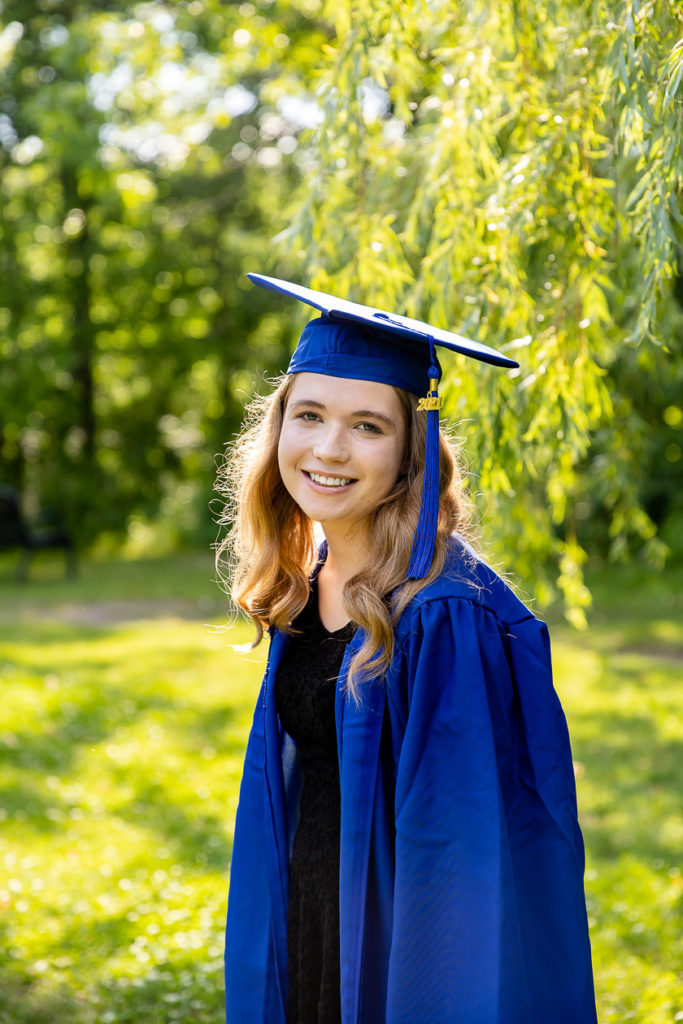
[{"x": 341, "y": 448}]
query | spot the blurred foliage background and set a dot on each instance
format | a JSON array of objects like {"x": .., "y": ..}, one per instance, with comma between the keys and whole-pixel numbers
[{"x": 508, "y": 170}]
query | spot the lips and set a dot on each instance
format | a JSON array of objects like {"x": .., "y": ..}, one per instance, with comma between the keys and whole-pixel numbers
[{"x": 331, "y": 482}]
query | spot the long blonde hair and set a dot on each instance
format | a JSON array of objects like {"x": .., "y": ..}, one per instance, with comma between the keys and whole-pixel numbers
[{"x": 269, "y": 550}]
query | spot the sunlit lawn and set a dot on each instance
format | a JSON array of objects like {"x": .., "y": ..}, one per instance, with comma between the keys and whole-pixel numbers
[
  {"x": 122, "y": 726},
  {"x": 622, "y": 686}
]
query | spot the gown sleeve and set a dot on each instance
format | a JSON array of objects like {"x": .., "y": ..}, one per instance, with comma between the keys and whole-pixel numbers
[
  {"x": 489, "y": 919},
  {"x": 251, "y": 990}
]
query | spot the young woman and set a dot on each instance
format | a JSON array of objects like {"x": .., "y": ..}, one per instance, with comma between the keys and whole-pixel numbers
[{"x": 406, "y": 846}]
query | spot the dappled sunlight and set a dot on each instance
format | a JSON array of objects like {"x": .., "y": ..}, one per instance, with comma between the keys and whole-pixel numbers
[
  {"x": 121, "y": 751},
  {"x": 621, "y": 687}
]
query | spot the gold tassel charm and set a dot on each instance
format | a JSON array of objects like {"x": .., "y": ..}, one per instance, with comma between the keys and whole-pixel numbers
[{"x": 432, "y": 400}]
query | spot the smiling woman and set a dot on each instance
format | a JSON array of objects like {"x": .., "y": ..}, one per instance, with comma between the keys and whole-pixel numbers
[
  {"x": 272, "y": 506},
  {"x": 338, "y": 461},
  {"x": 406, "y": 845}
]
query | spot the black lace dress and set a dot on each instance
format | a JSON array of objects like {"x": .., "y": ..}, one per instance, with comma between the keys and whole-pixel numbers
[{"x": 305, "y": 693}]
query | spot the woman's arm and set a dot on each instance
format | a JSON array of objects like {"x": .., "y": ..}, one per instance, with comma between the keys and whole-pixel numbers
[{"x": 489, "y": 916}]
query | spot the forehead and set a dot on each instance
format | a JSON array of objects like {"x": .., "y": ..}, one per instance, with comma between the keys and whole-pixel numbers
[{"x": 345, "y": 393}]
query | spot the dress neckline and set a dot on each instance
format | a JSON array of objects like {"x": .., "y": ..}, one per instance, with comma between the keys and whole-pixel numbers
[{"x": 341, "y": 633}]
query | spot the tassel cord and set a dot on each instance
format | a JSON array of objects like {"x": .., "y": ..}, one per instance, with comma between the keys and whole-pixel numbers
[{"x": 425, "y": 535}]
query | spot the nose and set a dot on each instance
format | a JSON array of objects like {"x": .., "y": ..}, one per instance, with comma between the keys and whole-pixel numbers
[{"x": 330, "y": 444}]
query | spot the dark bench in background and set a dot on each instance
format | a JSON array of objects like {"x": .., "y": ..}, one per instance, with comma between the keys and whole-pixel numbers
[{"x": 47, "y": 534}]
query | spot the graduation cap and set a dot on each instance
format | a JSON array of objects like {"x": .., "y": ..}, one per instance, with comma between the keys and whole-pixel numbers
[{"x": 362, "y": 343}]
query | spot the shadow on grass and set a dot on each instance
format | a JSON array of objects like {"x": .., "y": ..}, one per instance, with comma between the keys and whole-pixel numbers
[
  {"x": 89, "y": 714},
  {"x": 198, "y": 838},
  {"x": 26, "y": 1000},
  {"x": 182, "y": 991},
  {"x": 219, "y": 723},
  {"x": 164, "y": 998},
  {"x": 23, "y": 802},
  {"x": 185, "y": 988},
  {"x": 83, "y": 719},
  {"x": 31, "y": 999}
]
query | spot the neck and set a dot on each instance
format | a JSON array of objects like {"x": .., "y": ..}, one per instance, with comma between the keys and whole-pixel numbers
[{"x": 346, "y": 554}]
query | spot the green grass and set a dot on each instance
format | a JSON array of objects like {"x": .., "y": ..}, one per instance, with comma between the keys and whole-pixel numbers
[
  {"x": 123, "y": 721},
  {"x": 121, "y": 747},
  {"x": 621, "y": 684}
]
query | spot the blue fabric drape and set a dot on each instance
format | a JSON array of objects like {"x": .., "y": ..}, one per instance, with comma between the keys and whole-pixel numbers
[{"x": 461, "y": 862}]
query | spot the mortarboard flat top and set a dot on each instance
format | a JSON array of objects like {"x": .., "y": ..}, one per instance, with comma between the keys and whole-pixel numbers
[{"x": 376, "y": 320}]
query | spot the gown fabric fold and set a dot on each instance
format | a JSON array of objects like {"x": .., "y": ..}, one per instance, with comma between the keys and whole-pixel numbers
[{"x": 461, "y": 859}]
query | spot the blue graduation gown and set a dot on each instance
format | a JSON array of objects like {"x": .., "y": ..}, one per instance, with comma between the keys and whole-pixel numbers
[{"x": 461, "y": 859}]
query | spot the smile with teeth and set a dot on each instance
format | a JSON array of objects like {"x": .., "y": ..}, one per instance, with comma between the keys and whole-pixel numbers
[{"x": 330, "y": 481}]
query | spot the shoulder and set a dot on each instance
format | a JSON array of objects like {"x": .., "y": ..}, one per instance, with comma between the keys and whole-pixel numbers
[{"x": 466, "y": 580}]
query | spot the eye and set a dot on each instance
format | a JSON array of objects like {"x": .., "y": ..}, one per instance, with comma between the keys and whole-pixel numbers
[
  {"x": 307, "y": 417},
  {"x": 369, "y": 428}
]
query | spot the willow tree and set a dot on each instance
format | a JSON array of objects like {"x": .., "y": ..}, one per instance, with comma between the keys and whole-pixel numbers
[
  {"x": 140, "y": 167},
  {"x": 512, "y": 171}
]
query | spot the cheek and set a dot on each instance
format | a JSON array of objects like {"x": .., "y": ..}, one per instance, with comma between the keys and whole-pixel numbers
[
  {"x": 388, "y": 466},
  {"x": 395, "y": 458},
  {"x": 287, "y": 444},
  {"x": 284, "y": 453}
]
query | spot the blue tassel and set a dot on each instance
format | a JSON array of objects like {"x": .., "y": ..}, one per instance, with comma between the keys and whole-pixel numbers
[{"x": 425, "y": 535}]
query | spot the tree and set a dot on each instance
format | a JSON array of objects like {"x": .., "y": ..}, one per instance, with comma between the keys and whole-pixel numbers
[
  {"x": 513, "y": 170},
  {"x": 142, "y": 165}
]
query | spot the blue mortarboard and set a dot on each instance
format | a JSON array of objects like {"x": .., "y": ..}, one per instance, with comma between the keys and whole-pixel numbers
[{"x": 359, "y": 342}]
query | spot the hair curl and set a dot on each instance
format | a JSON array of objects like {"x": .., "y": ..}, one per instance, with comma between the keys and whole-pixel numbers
[{"x": 269, "y": 550}]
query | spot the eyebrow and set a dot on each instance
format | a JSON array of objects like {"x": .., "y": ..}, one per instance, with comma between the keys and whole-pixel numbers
[{"x": 359, "y": 412}]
